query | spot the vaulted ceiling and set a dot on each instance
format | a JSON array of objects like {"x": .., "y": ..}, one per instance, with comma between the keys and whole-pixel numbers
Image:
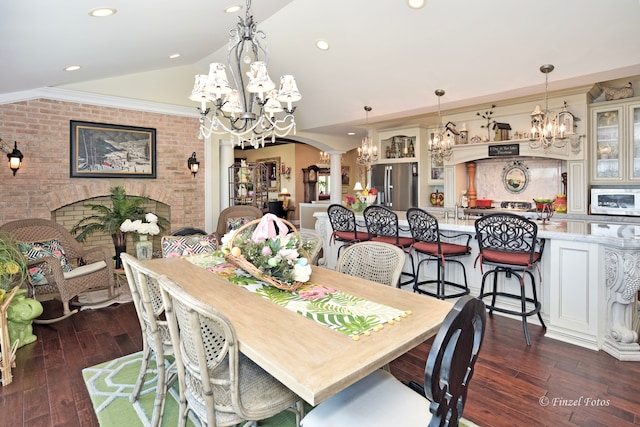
[{"x": 382, "y": 53}]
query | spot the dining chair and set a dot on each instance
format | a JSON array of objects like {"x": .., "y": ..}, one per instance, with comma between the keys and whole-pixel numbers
[
  {"x": 345, "y": 228},
  {"x": 218, "y": 383},
  {"x": 185, "y": 245},
  {"x": 383, "y": 226},
  {"x": 156, "y": 340},
  {"x": 234, "y": 217},
  {"x": 430, "y": 242},
  {"x": 375, "y": 261},
  {"x": 380, "y": 400},
  {"x": 313, "y": 241},
  {"x": 509, "y": 243}
]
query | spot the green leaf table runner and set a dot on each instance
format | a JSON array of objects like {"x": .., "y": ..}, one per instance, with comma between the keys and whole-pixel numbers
[{"x": 344, "y": 313}]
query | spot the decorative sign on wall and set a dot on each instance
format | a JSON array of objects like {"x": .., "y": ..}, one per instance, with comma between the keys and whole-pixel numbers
[{"x": 504, "y": 150}]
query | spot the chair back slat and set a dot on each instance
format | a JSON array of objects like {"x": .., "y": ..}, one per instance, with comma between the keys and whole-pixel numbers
[{"x": 424, "y": 226}]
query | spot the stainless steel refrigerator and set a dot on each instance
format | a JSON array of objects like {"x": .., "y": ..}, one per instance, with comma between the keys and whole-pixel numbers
[{"x": 397, "y": 185}]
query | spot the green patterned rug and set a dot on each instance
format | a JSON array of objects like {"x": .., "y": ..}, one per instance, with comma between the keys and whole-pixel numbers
[{"x": 111, "y": 383}]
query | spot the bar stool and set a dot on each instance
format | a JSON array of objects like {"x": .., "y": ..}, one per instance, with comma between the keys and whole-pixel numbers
[
  {"x": 427, "y": 241},
  {"x": 343, "y": 223},
  {"x": 509, "y": 243},
  {"x": 382, "y": 226}
]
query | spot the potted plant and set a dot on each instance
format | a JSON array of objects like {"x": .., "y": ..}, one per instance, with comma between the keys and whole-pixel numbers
[
  {"x": 109, "y": 219},
  {"x": 13, "y": 264}
]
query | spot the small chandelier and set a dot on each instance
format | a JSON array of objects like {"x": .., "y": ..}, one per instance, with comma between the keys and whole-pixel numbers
[
  {"x": 546, "y": 129},
  {"x": 325, "y": 158},
  {"x": 440, "y": 144},
  {"x": 248, "y": 112},
  {"x": 367, "y": 152}
]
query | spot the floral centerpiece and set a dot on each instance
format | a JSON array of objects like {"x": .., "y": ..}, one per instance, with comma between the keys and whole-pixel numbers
[
  {"x": 275, "y": 256},
  {"x": 142, "y": 228},
  {"x": 13, "y": 264},
  {"x": 144, "y": 248}
]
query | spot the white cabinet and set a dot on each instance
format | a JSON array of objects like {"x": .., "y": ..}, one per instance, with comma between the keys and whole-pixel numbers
[
  {"x": 615, "y": 142},
  {"x": 401, "y": 145}
]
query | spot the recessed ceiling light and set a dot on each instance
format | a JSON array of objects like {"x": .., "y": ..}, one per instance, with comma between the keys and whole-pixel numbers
[
  {"x": 233, "y": 9},
  {"x": 322, "y": 45},
  {"x": 174, "y": 56},
  {"x": 72, "y": 68},
  {"x": 416, "y": 4},
  {"x": 102, "y": 12},
  {"x": 351, "y": 133}
]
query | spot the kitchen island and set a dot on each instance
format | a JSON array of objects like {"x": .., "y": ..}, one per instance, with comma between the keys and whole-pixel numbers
[{"x": 588, "y": 280}]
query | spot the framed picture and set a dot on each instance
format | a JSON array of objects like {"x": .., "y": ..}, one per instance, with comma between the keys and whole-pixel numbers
[
  {"x": 101, "y": 150},
  {"x": 273, "y": 172}
]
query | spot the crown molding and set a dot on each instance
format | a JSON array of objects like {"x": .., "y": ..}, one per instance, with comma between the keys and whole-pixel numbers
[{"x": 97, "y": 99}]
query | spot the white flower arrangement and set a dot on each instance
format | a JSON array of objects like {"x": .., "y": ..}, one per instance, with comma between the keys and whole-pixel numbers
[{"x": 150, "y": 227}]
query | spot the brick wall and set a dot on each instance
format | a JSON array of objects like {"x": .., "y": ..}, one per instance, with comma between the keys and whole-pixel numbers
[{"x": 43, "y": 185}]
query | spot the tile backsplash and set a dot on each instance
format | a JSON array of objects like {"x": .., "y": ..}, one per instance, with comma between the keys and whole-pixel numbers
[{"x": 544, "y": 179}]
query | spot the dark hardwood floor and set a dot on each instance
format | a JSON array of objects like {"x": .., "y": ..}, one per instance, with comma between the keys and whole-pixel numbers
[{"x": 547, "y": 384}]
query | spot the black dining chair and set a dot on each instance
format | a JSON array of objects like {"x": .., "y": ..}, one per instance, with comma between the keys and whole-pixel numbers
[
  {"x": 430, "y": 242},
  {"x": 383, "y": 226},
  {"x": 509, "y": 244},
  {"x": 380, "y": 400}
]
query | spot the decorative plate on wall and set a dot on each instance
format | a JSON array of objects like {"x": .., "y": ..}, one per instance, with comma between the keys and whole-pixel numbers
[{"x": 515, "y": 176}]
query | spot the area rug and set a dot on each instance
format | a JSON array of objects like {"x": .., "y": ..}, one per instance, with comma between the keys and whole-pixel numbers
[{"x": 110, "y": 385}]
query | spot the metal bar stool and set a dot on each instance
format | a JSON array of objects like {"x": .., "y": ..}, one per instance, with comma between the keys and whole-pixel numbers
[
  {"x": 427, "y": 241},
  {"x": 509, "y": 243},
  {"x": 382, "y": 226},
  {"x": 343, "y": 223}
]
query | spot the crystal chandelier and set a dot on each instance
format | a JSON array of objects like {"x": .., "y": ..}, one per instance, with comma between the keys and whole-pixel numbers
[
  {"x": 546, "y": 130},
  {"x": 249, "y": 113},
  {"x": 440, "y": 145},
  {"x": 325, "y": 158},
  {"x": 367, "y": 152}
]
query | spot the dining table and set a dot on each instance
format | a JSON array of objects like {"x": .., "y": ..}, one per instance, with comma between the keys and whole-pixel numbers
[{"x": 308, "y": 357}]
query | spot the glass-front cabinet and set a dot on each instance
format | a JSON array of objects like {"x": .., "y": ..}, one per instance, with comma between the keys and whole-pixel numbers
[
  {"x": 248, "y": 184},
  {"x": 615, "y": 142}
]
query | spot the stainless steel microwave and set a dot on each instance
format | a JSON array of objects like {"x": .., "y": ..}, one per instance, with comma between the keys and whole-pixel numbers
[{"x": 615, "y": 201}]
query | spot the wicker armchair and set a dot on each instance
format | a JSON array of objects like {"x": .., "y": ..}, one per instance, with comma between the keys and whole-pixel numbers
[
  {"x": 217, "y": 382},
  {"x": 93, "y": 267},
  {"x": 375, "y": 261},
  {"x": 233, "y": 217},
  {"x": 156, "y": 340}
]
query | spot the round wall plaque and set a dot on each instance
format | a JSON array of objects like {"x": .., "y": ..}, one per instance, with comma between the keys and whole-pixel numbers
[{"x": 515, "y": 177}]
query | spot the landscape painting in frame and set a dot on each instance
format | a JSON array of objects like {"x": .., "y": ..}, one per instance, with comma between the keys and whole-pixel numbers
[{"x": 104, "y": 151}]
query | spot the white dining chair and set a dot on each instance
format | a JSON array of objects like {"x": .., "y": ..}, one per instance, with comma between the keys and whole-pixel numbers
[
  {"x": 380, "y": 400},
  {"x": 156, "y": 341},
  {"x": 376, "y": 261},
  {"x": 218, "y": 383}
]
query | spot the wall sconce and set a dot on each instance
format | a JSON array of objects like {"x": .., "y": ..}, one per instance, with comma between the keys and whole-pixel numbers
[
  {"x": 285, "y": 171},
  {"x": 193, "y": 164},
  {"x": 15, "y": 158}
]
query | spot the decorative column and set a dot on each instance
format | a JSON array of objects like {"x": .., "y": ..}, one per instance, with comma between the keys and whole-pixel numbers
[
  {"x": 471, "y": 191},
  {"x": 336, "y": 177}
]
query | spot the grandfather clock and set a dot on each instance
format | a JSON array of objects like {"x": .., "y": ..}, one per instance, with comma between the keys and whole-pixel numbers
[{"x": 310, "y": 179}]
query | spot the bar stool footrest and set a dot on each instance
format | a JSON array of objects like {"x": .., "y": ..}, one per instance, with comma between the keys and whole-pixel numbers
[
  {"x": 536, "y": 309},
  {"x": 465, "y": 289}
]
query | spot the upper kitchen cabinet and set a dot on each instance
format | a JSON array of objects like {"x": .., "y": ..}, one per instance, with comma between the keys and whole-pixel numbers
[
  {"x": 400, "y": 145},
  {"x": 615, "y": 142}
]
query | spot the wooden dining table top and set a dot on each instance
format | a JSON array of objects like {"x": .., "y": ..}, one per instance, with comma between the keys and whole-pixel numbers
[{"x": 311, "y": 359}]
